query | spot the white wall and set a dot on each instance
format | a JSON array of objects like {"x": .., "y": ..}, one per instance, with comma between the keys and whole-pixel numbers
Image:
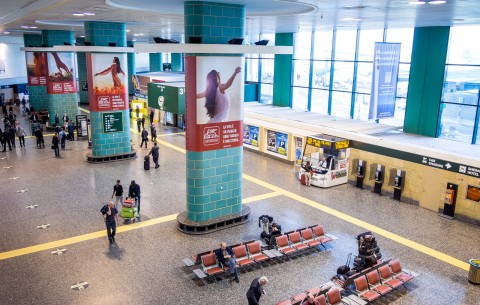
[{"x": 15, "y": 65}]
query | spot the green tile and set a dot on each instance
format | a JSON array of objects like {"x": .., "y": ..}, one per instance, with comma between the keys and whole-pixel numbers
[
  {"x": 226, "y": 194},
  {"x": 227, "y": 160},
  {"x": 220, "y": 187},
  {"x": 209, "y": 172},
  {"x": 226, "y": 211},
  {"x": 215, "y": 196},
  {"x": 231, "y": 201},
  {"x": 202, "y": 164},
  {"x": 227, "y": 178},
  {"x": 220, "y": 204},
  {"x": 209, "y": 190},
  {"x": 195, "y": 191},
  {"x": 195, "y": 208},
  {"x": 215, "y": 213},
  {"x": 221, "y": 153},
  {"x": 195, "y": 173},
  {"x": 202, "y": 199},
  {"x": 209, "y": 206},
  {"x": 202, "y": 216},
  {"x": 221, "y": 170},
  {"x": 236, "y": 208},
  {"x": 201, "y": 182},
  {"x": 215, "y": 179}
]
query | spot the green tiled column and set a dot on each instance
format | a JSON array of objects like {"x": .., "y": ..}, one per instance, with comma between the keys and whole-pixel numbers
[
  {"x": 60, "y": 103},
  {"x": 131, "y": 68},
  {"x": 155, "y": 62},
  {"x": 425, "y": 86},
  {"x": 37, "y": 94},
  {"x": 101, "y": 34},
  {"x": 82, "y": 72},
  {"x": 214, "y": 178},
  {"x": 177, "y": 61},
  {"x": 282, "y": 80}
]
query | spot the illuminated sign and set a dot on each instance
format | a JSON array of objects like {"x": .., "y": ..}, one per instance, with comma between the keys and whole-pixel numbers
[{"x": 342, "y": 144}]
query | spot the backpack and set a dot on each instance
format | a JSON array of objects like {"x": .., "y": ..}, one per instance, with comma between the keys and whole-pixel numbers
[{"x": 104, "y": 210}]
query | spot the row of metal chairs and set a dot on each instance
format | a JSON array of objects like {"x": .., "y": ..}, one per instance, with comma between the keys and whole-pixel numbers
[
  {"x": 195, "y": 259},
  {"x": 302, "y": 239},
  {"x": 381, "y": 281},
  {"x": 329, "y": 296}
]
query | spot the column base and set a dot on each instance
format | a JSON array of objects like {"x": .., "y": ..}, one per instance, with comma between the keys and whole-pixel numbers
[
  {"x": 110, "y": 158},
  {"x": 212, "y": 225}
]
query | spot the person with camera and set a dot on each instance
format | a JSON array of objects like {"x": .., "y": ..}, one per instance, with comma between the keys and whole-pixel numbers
[{"x": 225, "y": 256}]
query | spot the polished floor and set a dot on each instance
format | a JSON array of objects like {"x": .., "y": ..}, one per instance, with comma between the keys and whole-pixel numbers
[{"x": 145, "y": 265}]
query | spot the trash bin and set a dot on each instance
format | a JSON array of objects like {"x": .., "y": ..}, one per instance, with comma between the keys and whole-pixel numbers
[{"x": 474, "y": 274}]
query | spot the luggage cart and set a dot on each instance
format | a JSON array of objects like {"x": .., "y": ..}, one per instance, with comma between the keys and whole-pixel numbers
[{"x": 129, "y": 210}]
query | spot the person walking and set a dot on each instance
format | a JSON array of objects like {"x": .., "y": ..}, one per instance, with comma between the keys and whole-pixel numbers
[
  {"x": 55, "y": 142},
  {"x": 153, "y": 131},
  {"x": 57, "y": 121},
  {"x": 134, "y": 192},
  {"x": 70, "y": 129},
  {"x": 256, "y": 289},
  {"x": 11, "y": 135},
  {"x": 4, "y": 138},
  {"x": 39, "y": 135},
  {"x": 118, "y": 193},
  {"x": 111, "y": 220},
  {"x": 139, "y": 124},
  {"x": 155, "y": 154},
  {"x": 144, "y": 138},
  {"x": 21, "y": 135},
  {"x": 63, "y": 137},
  {"x": 152, "y": 113},
  {"x": 143, "y": 122}
]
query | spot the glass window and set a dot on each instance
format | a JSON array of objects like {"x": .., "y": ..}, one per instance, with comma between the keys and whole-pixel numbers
[
  {"x": 302, "y": 45},
  {"x": 364, "y": 77},
  {"x": 300, "y": 98},
  {"x": 319, "y": 103},
  {"x": 252, "y": 69},
  {"x": 301, "y": 72},
  {"x": 461, "y": 85},
  {"x": 463, "y": 45},
  {"x": 266, "y": 93},
  {"x": 322, "y": 48},
  {"x": 456, "y": 122},
  {"x": 366, "y": 46},
  {"x": 362, "y": 107},
  {"x": 269, "y": 37},
  {"x": 405, "y": 37},
  {"x": 341, "y": 102},
  {"x": 267, "y": 70},
  {"x": 343, "y": 76},
  {"x": 321, "y": 74},
  {"x": 345, "y": 45},
  {"x": 167, "y": 57},
  {"x": 402, "y": 81}
]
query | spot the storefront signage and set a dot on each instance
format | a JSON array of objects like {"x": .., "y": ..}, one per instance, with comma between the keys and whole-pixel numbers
[
  {"x": 112, "y": 121},
  {"x": 342, "y": 144}
]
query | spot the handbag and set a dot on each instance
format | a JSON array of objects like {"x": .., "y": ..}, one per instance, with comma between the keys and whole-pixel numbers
[{"x": 53, "y": 146}]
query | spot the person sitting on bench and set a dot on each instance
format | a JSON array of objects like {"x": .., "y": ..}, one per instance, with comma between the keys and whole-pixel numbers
[{"x": 225, "y": 256}]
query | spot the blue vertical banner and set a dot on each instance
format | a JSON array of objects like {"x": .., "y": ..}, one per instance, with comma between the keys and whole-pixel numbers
[{"x": 384, "y": 80}]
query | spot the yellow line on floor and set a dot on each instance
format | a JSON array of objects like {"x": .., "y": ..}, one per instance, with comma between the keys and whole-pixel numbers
[
  {"x": 397, "y": 238},
  {"x": 84, "y": 110},
  {"x": 103, "y": 233},
  {"x": 261, "y": 197}
]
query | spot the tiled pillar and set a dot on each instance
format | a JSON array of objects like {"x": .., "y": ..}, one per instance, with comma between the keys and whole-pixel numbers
[
  {"x": 101, "y": 34},
  {"x": 60, "y": 103},
  {"x": 214, "y": 177},
  {"x": 177, "y": 61},
  {"x": 282, "y": 79},
  {"x": 131, "y": 68},
  {"x": 82, "y": 72},
  {"x": 37, "y": 94},
  {"x": 155, "y": 62}
]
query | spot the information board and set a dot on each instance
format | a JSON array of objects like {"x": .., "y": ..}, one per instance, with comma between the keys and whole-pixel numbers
[{"x": 112, "y": 121}]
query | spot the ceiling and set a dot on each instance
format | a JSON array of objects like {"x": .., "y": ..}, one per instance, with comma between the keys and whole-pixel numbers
[{"x": 148, "y": 18}]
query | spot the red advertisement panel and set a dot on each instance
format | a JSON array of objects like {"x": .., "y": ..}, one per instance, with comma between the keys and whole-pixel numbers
[
  {"x": 214, "y": 110},
  {"x": 61, "y": 73},
  {"x": 107, "y": 76},
  {"x": 36, "y": 68}
]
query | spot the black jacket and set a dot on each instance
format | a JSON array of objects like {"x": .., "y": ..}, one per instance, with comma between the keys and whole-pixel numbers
[
  {"x": 220, "y": 257},
  {"x": 134, "y": 190},
  {"x": 255, "y": 292}
]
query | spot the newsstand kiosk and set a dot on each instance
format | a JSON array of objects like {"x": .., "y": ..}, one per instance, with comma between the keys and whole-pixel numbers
[{"x": 328, "y": 157}]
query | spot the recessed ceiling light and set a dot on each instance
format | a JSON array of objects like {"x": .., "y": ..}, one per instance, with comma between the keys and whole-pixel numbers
[
  {"x": 139, "y": 34},
  {"x": 437, "y": 2},
  {"x": 24, "y": 26},
  {"x": 89, "y": 14},
  {"x": 34, "y": 27},
  {"x": 82, "y": 36},
  {"x": 350, "y": 19},
  {"x": 6, "y": 33},
  {"x": 78, "y": 14},
  {"x": 417, "y": 2},
  {"x": 128, "y": 31}
]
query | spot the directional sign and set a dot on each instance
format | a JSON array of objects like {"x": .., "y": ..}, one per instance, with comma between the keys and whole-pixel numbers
[
  {"x": 22, "y": 191},
  {"x": 32, "y": 206},
  {"x": 14, "y": 178},
  {"x": 59, "y": 251},
  {"x": 7, "y": 167},
  {"x": 79, "y": 286},
  {"x": 44, "y": 226}
]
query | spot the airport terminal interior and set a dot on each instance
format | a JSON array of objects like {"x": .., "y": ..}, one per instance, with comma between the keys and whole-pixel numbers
[{"x": 408, "y": 174}]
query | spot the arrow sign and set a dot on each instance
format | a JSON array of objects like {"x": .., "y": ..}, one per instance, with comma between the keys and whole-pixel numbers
[
  {"x": 44, "y": 226},
  {"x": 59, "y": 251},
  {"x": 32, "y": 206},
  {"x": 448, "y": 165},
  {"x": 79, "y": 286},
  {"x": 7, "y": 167},
  {"x": 22, "y": 191},
  {"x": 14, "y": 178}
]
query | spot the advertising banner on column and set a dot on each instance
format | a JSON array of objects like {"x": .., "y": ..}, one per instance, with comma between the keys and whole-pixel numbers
[
  {"x": 36, "y": 68},
  {"x": 214, "y": 112},
  {"x": 107, "y": 77},
  {"x": 384, "y": 80},
  {"x": 61, "y": 73}
]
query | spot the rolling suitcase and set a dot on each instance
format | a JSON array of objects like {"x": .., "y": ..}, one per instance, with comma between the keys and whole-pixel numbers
[
  {"x": 303, "y": 180},
  {"x": 146, "y": 163}
]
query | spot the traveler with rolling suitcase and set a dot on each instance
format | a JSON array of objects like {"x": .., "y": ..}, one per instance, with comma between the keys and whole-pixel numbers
[
  {"x": 134, "y": 192},
  {"x": 155, "y": 154}
]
